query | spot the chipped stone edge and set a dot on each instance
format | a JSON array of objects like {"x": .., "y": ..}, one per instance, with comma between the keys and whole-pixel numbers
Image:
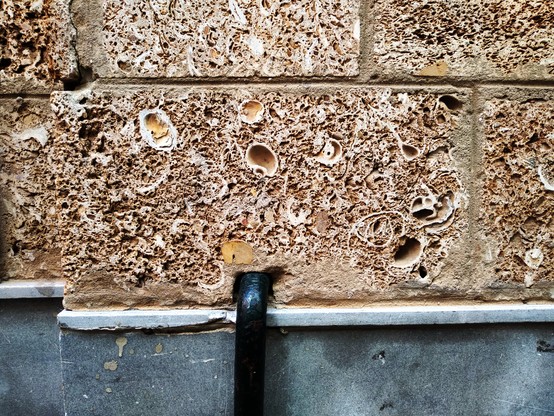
[
  {"x": 300, "y": 317},
  {"x": 19, "y": 289}
]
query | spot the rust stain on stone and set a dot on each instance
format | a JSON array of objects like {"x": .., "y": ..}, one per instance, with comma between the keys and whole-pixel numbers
[
  {"x": 237, "y": 252},
  {"x": 438, "y": 69}
]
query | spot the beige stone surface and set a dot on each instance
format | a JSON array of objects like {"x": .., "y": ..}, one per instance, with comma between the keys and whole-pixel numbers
[
  {"x": 28, "y": 233},
  {"x": 166, "y": 195},
  {"x": 517, "y": 241},
  {"x": 489, "y": 39},
  {"x": 223, "y": 38},
  {"x": 36, "y": 51}
]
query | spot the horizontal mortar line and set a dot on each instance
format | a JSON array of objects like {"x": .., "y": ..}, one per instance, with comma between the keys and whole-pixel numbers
[
  {"x": 18, "y": 289},
  {"x": 311, "y": 83},
  {"x": 26, "y": 95},
  {"x": 318, "y": 317}
]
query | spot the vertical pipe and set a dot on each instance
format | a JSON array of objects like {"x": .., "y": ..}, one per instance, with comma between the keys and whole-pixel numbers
[{"x": 250, "y": 344}]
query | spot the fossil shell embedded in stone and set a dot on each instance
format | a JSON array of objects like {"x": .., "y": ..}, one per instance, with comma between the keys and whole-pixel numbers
[
  {"x": 331, "y": 153},
  {"x": 157, "y": 130},
  {"x": 251, "y": 111},
  {"x": 262, "y": 159}
]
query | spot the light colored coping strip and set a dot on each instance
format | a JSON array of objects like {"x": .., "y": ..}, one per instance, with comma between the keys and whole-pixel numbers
[
  {"x": 412, "y": 315},
  {"x": 18, "y": 289},
  {"x": 143, "y": 319},
  {"x": 328, "y": 317}
]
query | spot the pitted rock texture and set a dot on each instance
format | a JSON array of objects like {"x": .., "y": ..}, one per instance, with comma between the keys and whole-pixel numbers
[
  {"x": 35, "y": 44},
  {"x": 166, "y": 196},
  {"x": 28, "y": 232},
  {"x": 459, "y": 38},
  {"x": 518, "y": 195},
  {"x": 228, "y": 38}
]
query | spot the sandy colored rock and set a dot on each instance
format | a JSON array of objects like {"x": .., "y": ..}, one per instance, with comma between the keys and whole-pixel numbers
[
  {"x": 489, "y": 39},
  {"x": 36, "y": 51},
  {"x": 28, "y": 235},
  {"x": 223, "y": 38},
  {"x": 367, "y": 195},
  {"x": 517, "y": 204}
]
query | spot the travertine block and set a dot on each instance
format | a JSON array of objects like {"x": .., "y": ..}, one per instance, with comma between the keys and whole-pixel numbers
[
  {"x": 28, "y": 232},
  {"x": 491, "y": 39},
  {"x": 166, "y": 196},
  {"x": 36, "y": 51},
  {"x": 517, "y": 240},
  {"x": 223, "y": 38}
]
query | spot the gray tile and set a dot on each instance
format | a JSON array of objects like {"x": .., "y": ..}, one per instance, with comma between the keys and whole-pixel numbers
[
  {"x": 134, "y": 373},
  {"x": 433, "y": 370},
  {"x": 469, "y": 370},
  {"x": 30, "y": 371}
]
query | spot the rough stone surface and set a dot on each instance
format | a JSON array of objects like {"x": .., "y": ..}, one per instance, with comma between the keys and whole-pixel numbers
[
  {"x": 338, "y": 193},
  {"x": 460, "y": 38},
  {"x": 225, "y": 38},
  {"x": 28, "y": 231},
  {"x": 35, "y": 45},
  {"x": 518, "y": 189}
]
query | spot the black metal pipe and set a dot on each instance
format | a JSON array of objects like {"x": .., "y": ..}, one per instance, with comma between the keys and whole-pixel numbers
[{"x": 250, "y": 344}]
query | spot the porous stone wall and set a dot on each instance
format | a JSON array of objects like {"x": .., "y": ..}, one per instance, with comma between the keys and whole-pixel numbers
[{"x": 360, "y": 152}]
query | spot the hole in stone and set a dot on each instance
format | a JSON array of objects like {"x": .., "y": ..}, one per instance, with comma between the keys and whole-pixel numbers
[
  {"x": 65, "y": 205},
  {"x": 86, "y": 74},
  {"x": 124, "y": 66},
  {"x": 452, "y": 103},
  {"x": 441, "y": 119},
  {"x": 422, "y": 272},
  {"x": 410, "y": 152},
  {"x": 15, "y": 248},
  {"x": 158, "y": 128},
  {"x": 262, "y": 159},
  {"x": 331, "y": 153},
  {"x": 408, "y": 253},
  {"x": 533, "y": 138},
  {"x": 274, "y": 274},
  {"x": 5, "y": 62},
  {"x": 423, "y": 213},
  {"x": 251, "y": 111}
]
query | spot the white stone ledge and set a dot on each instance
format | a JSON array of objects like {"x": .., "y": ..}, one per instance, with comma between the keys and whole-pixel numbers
[
  {"x": 18, "y": 289},
  {"x": 143, "y": 319},
  {"x": 323, "y": 317}
]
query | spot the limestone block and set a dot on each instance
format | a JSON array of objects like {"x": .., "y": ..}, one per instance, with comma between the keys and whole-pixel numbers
[
  {"x": 167, "y": 195},
  {"x": 490, "y": 39},
  {"x": 35, "y": 45},
  {"x": 28, "y": 233},
  {"x": 517, "y": 242},
  {"x": 223, "y": 38}
]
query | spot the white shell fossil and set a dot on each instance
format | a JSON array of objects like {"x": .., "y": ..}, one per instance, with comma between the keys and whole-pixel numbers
[
  {"x": 331, "y": 153},
  {"x": 157, "y": 129},
  {"x": 546, "y": 178},
  {"x": 534, "y": 258},
  {"x": 378, "y": 229},
  {"x": 251, "y": 111},
  {"x": 262, "y": 159}
]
